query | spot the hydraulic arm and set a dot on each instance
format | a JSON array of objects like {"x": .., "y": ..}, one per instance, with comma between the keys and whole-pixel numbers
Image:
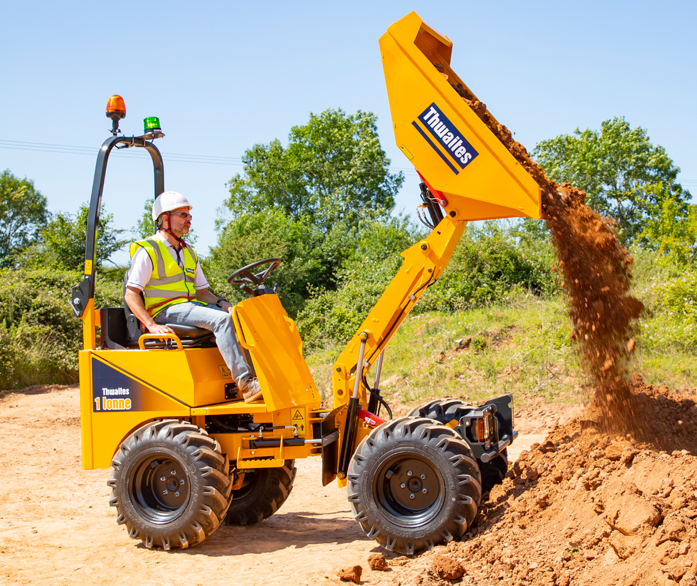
[
  {"x": 466, "y": 171},
  {"x": 423, "y": 264}
]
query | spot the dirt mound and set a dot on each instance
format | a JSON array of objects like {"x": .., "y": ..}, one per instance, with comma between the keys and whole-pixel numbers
[
  {"x": 586, "y": 507},
  {"x": 672, "y": 424},
  {"x": 597, "y": 276}
]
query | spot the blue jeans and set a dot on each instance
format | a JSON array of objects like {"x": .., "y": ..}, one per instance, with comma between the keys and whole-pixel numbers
[{"x": 210, "y": 317}]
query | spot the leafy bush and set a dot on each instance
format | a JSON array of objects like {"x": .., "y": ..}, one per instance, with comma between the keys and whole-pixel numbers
[
  {"x": 335, "y": 315},
  {"x": 674, "y": 322},
  {"x": 488, "y": 264},
  {"x": 39, "y": 335},
  {"x": 666, "y": 285},
  {"x": 270, "y": 234}
]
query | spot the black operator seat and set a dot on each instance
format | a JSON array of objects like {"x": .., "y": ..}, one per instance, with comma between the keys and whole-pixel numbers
[{"x": 121, "y": 329}]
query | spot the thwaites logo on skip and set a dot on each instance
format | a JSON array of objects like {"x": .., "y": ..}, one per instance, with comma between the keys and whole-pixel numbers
[{"x": 450, "y": 138}]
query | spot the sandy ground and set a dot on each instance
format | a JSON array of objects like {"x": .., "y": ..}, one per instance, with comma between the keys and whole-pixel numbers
[{"x": 56, "y": 526}]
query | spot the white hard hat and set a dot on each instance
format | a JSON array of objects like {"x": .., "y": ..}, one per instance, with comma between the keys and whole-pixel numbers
[{"x": 168, "y": 201}]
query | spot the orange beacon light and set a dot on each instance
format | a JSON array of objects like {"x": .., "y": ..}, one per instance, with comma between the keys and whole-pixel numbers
[{"x": 116, "y": 110}]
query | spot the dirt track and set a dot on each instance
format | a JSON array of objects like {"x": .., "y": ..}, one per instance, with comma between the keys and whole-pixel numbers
[{"x": 56, "y": 526}]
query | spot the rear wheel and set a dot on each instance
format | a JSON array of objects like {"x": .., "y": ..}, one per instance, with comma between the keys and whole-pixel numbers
[
  {"x": 413, "y": 484},
  {"x": 446, "y": 410},
  {"x": 262, "y": 493},
  {"x": 169, "y": 484}
]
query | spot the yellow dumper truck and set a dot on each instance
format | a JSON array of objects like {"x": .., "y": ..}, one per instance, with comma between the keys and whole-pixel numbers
[{"x": 187, "y": 455}]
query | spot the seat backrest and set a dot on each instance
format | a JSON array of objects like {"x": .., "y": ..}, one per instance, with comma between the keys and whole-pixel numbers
[{"x": 132, "y": 324}]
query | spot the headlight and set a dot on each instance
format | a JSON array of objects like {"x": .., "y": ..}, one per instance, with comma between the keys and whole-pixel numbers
[{"x": 482, "y": 428}]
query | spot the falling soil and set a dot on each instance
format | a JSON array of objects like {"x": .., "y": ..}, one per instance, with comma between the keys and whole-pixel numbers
[
  {"x": 587, "y": 508},
  {"x": 597, "y": 277}
]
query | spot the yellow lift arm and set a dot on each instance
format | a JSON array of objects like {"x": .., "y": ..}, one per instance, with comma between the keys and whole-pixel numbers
[{"x": 465, "y": 166}]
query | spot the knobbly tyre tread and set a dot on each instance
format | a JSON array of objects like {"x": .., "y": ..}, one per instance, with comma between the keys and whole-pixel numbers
[
  {"x": 269, "y": 489},
  {"x": 444, "y": 411},
  {"x": 206, "y": 469},
  {"x": 445, "y": 449}
]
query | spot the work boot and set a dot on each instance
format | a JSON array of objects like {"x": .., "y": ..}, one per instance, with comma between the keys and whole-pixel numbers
[{"x": 251, "y": 391}]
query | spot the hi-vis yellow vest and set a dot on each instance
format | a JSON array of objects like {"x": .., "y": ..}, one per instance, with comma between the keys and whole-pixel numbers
[{"x": 169, "y": 284}]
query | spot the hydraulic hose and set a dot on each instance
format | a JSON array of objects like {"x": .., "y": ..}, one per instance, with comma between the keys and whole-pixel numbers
[{"x": 375, "y": 394}]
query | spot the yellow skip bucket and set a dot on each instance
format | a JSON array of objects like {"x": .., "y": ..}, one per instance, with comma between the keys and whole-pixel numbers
[{"x": 450, "y": 146}]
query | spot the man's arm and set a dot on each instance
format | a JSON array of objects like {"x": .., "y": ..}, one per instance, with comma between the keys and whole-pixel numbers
[
  {"x": 207, "y": 297},
  {"x": 202, "y": 292},
  {"x": 135, "y": 302}
]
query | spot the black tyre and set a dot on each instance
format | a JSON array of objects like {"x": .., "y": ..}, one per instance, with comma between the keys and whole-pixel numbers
[
  {"x": 413, "y": 484},
  {"x": 169, "y": 484},
  {"x": 262, "y": 493},
  {"x": 444, "y": 411}
]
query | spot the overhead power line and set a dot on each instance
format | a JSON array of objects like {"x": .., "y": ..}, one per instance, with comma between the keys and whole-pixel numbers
[
  {"x": 90, "y": 151},
  {"x": 174, "y": 157},
  {"x": 131, "y": 152}
]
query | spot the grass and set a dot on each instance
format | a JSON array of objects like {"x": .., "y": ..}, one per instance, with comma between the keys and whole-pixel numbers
[
  {"x": 521, "y": 347},
  {"x": 673, "y": 369}
]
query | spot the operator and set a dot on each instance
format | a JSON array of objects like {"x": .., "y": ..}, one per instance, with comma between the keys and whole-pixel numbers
[{"x": 167, "y": 272}]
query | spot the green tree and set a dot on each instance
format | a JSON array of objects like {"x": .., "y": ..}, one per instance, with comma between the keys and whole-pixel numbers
[
  {"x": 23, "y": 214},
  {"x": 671, "y": 228},
  {"x": 62, "y": 243},
  {"x": 145, "y": 227},
  {"x": 269, "y": 234},
  {"x": 618, "y": 168},
  {"x": 333, "y": 170}
]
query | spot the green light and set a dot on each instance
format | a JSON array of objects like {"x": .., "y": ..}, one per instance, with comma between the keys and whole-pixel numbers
[{"x": 151, "y": 123}]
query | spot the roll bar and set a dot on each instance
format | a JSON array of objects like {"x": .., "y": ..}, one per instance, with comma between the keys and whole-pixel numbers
[
  {"x": 82, "y": 296},
  {"x": 83, "y": 292}
]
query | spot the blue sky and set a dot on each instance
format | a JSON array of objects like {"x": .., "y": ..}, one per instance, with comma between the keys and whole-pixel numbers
[{"x": 223, "y": 76}]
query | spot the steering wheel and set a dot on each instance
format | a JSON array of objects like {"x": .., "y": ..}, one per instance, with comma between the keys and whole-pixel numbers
[{"x": 245, "y": 277}]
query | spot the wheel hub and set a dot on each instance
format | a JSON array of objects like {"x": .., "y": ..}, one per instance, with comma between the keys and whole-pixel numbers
[
  {"x": 410, "y": 489},
  {"x": 159, "y": 489}
]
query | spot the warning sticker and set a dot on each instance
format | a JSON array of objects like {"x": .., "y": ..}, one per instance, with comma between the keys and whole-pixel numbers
[
  {"x": 225, "y": 372},
  {"x": 297, "y": 418}
]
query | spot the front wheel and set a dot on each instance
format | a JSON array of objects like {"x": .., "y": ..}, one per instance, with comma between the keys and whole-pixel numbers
[
  {"x": 413, "y": 484},
  {"x": 169, "y": 484}
]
